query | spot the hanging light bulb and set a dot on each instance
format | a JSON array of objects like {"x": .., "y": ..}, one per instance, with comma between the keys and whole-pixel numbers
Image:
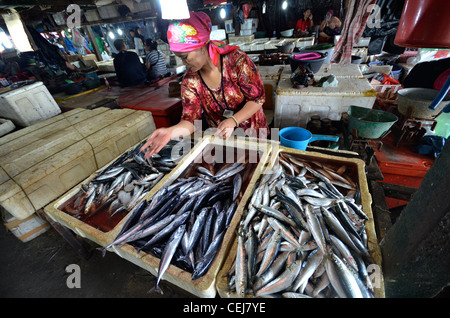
[
  {"x": 223, "y": 13},
  {"x": 111, "y": 35},
  {"x": 284, "y": 5},
  {"x": 264, "y": 8},
  {"x": 174, "y": 9},
  {"x": 119, "y": 31}
]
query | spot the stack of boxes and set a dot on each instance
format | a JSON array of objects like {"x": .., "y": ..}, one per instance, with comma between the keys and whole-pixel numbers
[{"x": 249, "y": 26}]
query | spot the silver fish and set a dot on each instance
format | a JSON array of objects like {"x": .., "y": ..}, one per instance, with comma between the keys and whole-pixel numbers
[
  {"x": 241, "y": 269},
  {"x": 237, "y": 184},
  {"x": 283, "y": 281},
  {"x": 271, "y": 252},
  {"x": 315, "y": 228},
  {"x": 168, "y": 252},
  {"x": 312, "y": 262}
]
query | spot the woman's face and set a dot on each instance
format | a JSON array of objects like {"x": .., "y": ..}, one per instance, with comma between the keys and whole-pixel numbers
[
  {"x": 307, "y": 13},
  {"x": 194, "y": 60}
]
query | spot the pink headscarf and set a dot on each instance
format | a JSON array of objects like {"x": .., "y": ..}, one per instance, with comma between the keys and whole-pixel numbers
[{"x": 193, "y": 33}]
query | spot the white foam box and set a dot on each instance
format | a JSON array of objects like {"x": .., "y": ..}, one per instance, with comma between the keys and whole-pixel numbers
[
  {"x": 241, "y": 38},
  {"x": 6, "y": 126},
  {"x": 44, "y": 166},
  {"x": 294, "y": 107},
  {"x": 356, "y": 171},
  {"x": 270, "y": 75},
  {"x": 110, "y": 132},
  {"x": 92, "y": 15},
  {"x": 303, "y": 42},
  {"x": 26, "y": 229},
  {"x": 218, "y": 35},
  {"x": 249, "y": 24},
  {"x": 12, "y": 197},
  {"x": 29, "y": 104},
  {"x": 108, "y": 11},
  {"x": 204, "y": 286},
  {"x": 272, "y": 44},
  {"x": 247, "y": 32},
  {"x": 338, "y": 70},
  {"x": 45, "y": 160}
]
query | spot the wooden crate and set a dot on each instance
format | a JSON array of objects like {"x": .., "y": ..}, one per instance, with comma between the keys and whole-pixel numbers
[
  {"x": 358, "y": 169},
  {"x": 204, "y": 286}
]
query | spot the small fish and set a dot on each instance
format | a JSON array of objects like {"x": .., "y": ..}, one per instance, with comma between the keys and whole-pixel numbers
[
  {"x": 168, "y": 253},
  {"x": 271, "y": 252},
  {"x": 241, "y": 269},
  {"x": 237, "y": 184}
]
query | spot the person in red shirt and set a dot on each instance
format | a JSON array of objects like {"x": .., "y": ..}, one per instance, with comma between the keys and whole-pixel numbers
[{"x": 303, "y": 25}]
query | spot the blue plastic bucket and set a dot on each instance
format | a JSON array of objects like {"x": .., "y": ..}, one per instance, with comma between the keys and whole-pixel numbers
[{"x": 299, "y": 138}]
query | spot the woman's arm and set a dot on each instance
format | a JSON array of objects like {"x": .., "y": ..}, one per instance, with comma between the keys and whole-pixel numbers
[
  {"x": 226, "y": 127},
  {"x": 161, "y": 136}
]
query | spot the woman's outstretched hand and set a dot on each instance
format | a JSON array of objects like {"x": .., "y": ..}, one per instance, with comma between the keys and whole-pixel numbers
[{"x": 157, "y": 140}]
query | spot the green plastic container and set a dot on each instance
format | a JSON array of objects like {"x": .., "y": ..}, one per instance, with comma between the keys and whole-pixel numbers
[
  {"x": 443, "y": 125},
  {"x": 369, "y": 123}
]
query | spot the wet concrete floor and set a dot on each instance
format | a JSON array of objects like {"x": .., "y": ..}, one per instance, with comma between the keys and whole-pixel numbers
[{"x": 37, "y": 269}]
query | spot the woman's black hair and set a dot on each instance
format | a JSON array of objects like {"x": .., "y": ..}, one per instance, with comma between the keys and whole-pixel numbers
[{"x": 151, "y": 44}]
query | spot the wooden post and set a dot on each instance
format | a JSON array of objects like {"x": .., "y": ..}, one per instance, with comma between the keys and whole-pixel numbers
[
  {"x": 94, "y": 43},
  {"x": 416, "y": 249}
]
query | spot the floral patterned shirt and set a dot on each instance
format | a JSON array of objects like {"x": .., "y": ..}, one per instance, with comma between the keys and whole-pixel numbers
[{"x": 241, "y": 82}]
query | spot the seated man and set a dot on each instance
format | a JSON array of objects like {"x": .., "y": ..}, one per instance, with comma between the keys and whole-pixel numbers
[
  {"x": 330, "y": 27},
  {"x": 129, "y": 69}
]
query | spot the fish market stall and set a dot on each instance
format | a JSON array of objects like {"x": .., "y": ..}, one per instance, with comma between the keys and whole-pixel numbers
[
  {"x": 193, "y": 213},
  {"x": 305, "y": 219}
]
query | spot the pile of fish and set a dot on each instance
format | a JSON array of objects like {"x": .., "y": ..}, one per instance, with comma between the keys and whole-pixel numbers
[
  {"x": 184, "y": 223},
  {"x": 123, "y": 184},
  {"x": 302, "y": 235}
]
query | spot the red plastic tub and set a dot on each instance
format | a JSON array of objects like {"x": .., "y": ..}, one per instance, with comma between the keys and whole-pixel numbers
[
  {"x": 424, "y": 24},
  {"x": 401, "y": 166}
]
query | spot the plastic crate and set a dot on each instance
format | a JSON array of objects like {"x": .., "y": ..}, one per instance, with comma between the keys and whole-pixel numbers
[{"x": 401, "y": 166}]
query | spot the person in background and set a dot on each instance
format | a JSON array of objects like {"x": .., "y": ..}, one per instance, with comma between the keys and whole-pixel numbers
[
  {"x": 138, "y": 43},
  {"x": 304, "y": 24},
  {"x": 140, "y": 35},
  {"x": 101, "y": 44},
  {"x": 329, "y": 27},
  {"x": 155, "y": 63},
  {"x": 221, "y": 86},
  {"x": 129, "y": 69}
]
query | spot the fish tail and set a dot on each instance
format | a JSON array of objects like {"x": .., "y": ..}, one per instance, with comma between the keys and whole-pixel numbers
[
  {"x": 103, "y": 250},
  {"x": 156, "y": 289}
]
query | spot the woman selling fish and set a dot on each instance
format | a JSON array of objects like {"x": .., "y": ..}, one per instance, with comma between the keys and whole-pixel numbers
[{"x": 221, "y": 86}]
